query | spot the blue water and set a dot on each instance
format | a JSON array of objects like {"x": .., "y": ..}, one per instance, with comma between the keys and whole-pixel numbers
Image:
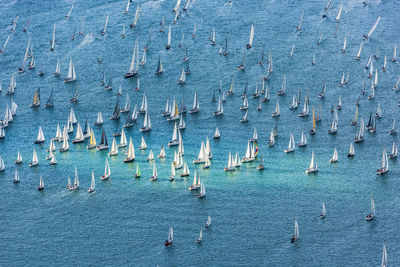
[{"x": 126, "y": 221}]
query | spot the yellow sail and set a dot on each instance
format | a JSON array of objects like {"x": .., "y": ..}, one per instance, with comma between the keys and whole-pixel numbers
[
  {"x": 36, "y": 100},
  {"x": 176, "y": 110},
  {"x": 92, "y": 138},
  {"x": 356, "y": 116},
  {"x": 313, "y": 119}
]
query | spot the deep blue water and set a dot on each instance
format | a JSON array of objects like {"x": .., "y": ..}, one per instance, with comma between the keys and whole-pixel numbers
[{"x": 126, "y": 221}]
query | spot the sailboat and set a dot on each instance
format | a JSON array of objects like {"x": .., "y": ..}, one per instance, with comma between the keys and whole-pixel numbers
[
  {"x": 243, "y": 62},
  {"x": 201, "y": 230},
  {"x": 344, "y": 45},
  {"x": 172, "y": 176},
  {"x": 74, "y": 98},
  {"x": 154, "y": 176},
  {"x": 306, "y": 108},
  {"x": 71, "y": 72},
  {"x": 371, "y": 31},
  {"x": 296, "y": 232},
  {"x": 337, "y": 19},
  {"x": 314, "y": 129},
  {"x": 19, "y": 158},
  {"x": 371, "y": 216},
  {"x": 202, "y": 190},
  {"x": 143, "y": 107},
  {"x": 133, "y": 67},
  {"x": 36, "y": 98},
  {"x": 248, "y": 46},
  {"x": 220, "y": 109},
  {"x": 394, "y": 54},
  {"x": 283, "y": 86},
  {"x": 146, "y": 123},
  {"x": 69, "y": 12},
  {"x": 249, "y": 156},
  {"x": 213, "y": 36},
  {"x": 245, "y": 104},
  {"x": 396, "y": 86},
  {"x": 393, "y": 130},
  {"x": 92, "y": 184},
  {"x": 114, "y": 148},
  {"x": 40, "y": 138},
  {"x": 322, "y": 94},
  {"x": 5, "y": 44},
  {"x": 334, "y": 126},
  {"x": 359, "y": 51},
  {"x": 35, "y": 160},
  {"x": 103, "y": 31},
  {"x": 151, "y": 155},
  {"x": 143, "y": 61},
  {"x": 186, "y": 171},
  {"x": 2, "y": 165},
  {"x": 384, "y": 65},
  {"x": 168, "y": 242},
  {"x": 196, "y": 105},
  {"x": 99, "y": 120},
  {"x": 143, "y": 144},
  {"x": 202, "y": 156},
  {"x": 291, "y": 145},
  {"x": 117, "y": 112},
  {"x": 135, "y": 20},
  {"x": 255, "y": 136},
  {"x": 168, "y": 45},
  {"x": 385, "y": 163},
  {"x": 123, "y": 34},
  {"x": 41, "y": 183},
  {"x": 323, "y": 213},
  {"x": 277, "y": 109},
  {"x": 351, "y": 151},
  {"x": 230, "y": 166},
  {"x": 394, "y": 151},
  {"x": 335, "y": 157},
  {"x": 53, "y": 39},
  {"x": 131, "y": 152},
  {"x": 217, "y": 134},
  {"x": 107, "y": 171},
  {"x": 159, "y": 66},
  {"x": 208, "y": 223},
  {"x": 108, "y": 87},
  {"x": 21, "y": 68},
  {"x": 271, "y": 140},
  {"x": 79, "y": 138},
  {"x": 12, "y": 86},
  {"x": 16, "y": 177},
  {"x": 103, "y": 143},
  {"x": 182, "y": 78},
  {"x": 300, "y": 22},
  {"x": 65, "y": 145},
  {"x": 313, "y": 168}
]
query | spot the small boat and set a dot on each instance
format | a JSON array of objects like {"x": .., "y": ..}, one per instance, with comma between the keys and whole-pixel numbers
[
  {"x": 394, "y": 151},
  {"x": 69, "y": 12},
  {"x": 245, "y": 119},
  {"x": 92, "y": 184},
  {"x": 186, "y": 171},
  {"x": 182, "y": 124},
  {"x": 385, "y": 164},
  {"x": 143, "y": 144},
  {"x": 261, "y": 166},
  {"x": 351, "y": 151},
  {"x": 21, "y": 68},
  {"x": 196, "y": 105},
  {"x": 123, "y": 34},
  {"x": 250, "y": 153},
  {"x": 131, "y": 152},
  {"x": 50, "y": 101},
  {"x": 200, "y": 236},
  {"x": 114, "y": 148},
  {"x": 53, "y": 160},
  {"x": 277, "y": 109},
  {"x": 371, "y": 31},
  {"x": 146, "y": 123},
  {"x": 2, "y": 165},
  {"x": 378, "y": 113},
  {"x": 108, "y": 87},
  {"x": 393, "y": 130},
  {"x": 314, "y": 129},
  {"x": 35, "y": 160},
  {"x": 103, "y": 143},
  {"x": 135, "y": 20},
  {"x": 225, "y": 53},
  {"x": 394, "y": 54},
  {"x": 41, "y": 184},
  {"x": 133, "y": 67},
  {"x": 107, "y": 171},
  {"x": 151, "y": 155},
  {"x": 371, "y": 216},
  {"x": 300, "y": 22},
  {"x": 291, "y": 145},
  {"x": 248, "y": 46},
  {"x": 71, "y": 72},
  {"x": 40, "y": 138},
  {"x": 168, "y": 242},
  {"x": 384, "y": 257},
  {"x": 19, "y": 158},
  {"x": 306, "y": 108},
  {"x": 103, "y": 31},
  {"x": 220, "y": 109},
  {"x": 202, "y": 156},
  {"x": 344, "y": 45},
  {"x": 36, "y": 98},
  {"x": 313, "y": 168},
  {"x": 296, "y": 232},
  {"x": 208, "y": 223},
  {"x": 335, "y": 157},
  {"x": 230, "y": 166},
  {"x": 16, "y": 177},
  {"x": 202, "y": 193},
  {"x": 396, "y": 86},
  {"x": 172, "y": 176},
  {"x": 154, "y": 176},
  {"x": 168, "y": 45},
  {"x": 79, "y": 138},
  {"x": 323, "y": 213},
  {"x": 322, "y": 94},
  {"x": 283, "y": 86},
  {"x": 243, "y": 62},
  {"x": 182, "y": 79},
  {"x": 92, "y": 142},
  {"x": 303, "y": 141},
  {"x": 137, "y": 174},
  {"x": 359, "y": 51},
  {"x": 334, "y": 125},
  {"x": 292, "y": 51},
  {"x": 271, "y": 140}
]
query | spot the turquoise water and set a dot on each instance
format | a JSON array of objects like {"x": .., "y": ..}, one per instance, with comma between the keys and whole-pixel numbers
[{"x": 126, "y": 221}]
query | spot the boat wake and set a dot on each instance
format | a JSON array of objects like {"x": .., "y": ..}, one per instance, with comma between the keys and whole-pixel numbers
[{"x": 86, "y": 40}]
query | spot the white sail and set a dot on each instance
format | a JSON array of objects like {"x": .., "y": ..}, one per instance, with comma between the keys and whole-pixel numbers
[
  {"x": 251, "y": 35},
  {"x": 105, "y": 25},
  {"x": 359, "y": 50},
  {"x": 131, "y": 150},
  {"x": 169, "y": 36},
  {"x": 374, "y": 27},
  {"x": 40, "y": 138},
  {"x": 53, "y": 39},
  {"x": 337, "y": 19},
  {"x": 35, "y": 159},
  {"x": 127, "y": 7}
]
